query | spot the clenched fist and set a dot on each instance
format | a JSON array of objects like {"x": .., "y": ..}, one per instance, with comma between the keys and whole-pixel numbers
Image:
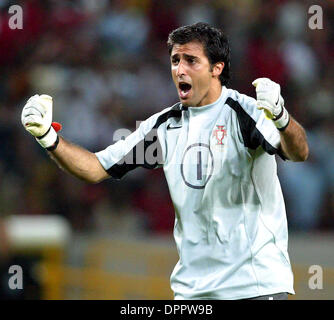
[
  {"x": 36, "y": 118},
  {"x": 269, "y": 99}
]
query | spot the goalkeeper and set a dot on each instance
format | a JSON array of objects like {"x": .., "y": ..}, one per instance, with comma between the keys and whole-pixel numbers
[{"x": 217, "y": 149}]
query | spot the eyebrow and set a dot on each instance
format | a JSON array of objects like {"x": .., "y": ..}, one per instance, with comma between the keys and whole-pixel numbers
[{"x": 184, "y": 54}]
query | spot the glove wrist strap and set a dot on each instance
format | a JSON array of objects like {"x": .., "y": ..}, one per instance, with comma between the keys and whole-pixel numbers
[
  {"x": 282, "y": 120},
  {"x": 48, "y": 139}
]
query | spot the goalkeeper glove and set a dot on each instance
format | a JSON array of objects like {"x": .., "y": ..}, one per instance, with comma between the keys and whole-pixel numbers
[
  {"x": 269, "y": 99},
  {"x": 36, "y": 118}
]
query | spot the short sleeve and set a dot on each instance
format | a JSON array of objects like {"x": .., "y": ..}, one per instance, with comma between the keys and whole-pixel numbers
[
  {"x": 141, "y": 148},
  {"x": 255, "y": 128}
]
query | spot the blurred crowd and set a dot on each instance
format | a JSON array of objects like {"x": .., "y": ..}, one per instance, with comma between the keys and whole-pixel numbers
[{"x": 106, "y": 65}]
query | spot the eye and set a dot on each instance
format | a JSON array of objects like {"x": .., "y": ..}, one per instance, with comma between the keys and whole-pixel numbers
[
  {"x": 175, "y": 60},
  {"x": 191, "y": 60}
]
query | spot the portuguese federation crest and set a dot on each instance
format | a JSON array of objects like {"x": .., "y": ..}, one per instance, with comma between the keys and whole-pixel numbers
[{"x": 220, "y": 134}]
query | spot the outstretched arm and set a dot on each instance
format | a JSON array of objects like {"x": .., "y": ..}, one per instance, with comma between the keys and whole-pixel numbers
[
  {"x": 293, "y": 137},
  {"x": 78, "y": 161}
]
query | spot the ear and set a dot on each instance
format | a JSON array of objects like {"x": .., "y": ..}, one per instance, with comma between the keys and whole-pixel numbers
[{"x": 217, "y": 69}]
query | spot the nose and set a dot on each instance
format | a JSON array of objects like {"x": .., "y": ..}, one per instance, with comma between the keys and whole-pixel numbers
[{"x": 180, "y": 69}]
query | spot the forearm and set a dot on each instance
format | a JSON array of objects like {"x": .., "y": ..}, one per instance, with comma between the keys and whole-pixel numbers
[
  {"x": 78, "y": 161},
  {"x": 294, "y": 142}
]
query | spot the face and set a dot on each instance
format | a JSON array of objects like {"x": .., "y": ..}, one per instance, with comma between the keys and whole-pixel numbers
[{"x": 196, "y": 82}]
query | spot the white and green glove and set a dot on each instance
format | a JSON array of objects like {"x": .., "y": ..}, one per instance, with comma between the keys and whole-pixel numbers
[
  {"x": 269, "y": 99},
  {"x": 36, "y": 118}
]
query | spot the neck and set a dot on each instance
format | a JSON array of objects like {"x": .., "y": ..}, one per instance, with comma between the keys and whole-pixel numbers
[{"x": 212, "y": 95}]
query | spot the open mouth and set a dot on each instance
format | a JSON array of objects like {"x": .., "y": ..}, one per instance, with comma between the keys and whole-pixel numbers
[{"x": 184, "y": 89}]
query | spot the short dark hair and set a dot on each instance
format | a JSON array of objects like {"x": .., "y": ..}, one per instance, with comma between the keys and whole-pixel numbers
[{"x": 214, "y": 41}]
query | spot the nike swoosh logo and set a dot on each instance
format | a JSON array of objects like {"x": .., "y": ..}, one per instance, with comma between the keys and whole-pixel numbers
[{"x": 170, "y": 128}]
